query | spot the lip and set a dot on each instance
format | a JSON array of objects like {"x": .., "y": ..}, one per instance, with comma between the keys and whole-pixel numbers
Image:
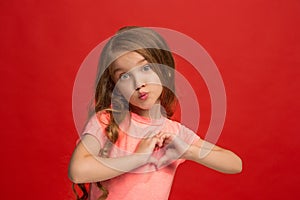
[{"x": 143, "y": 95}]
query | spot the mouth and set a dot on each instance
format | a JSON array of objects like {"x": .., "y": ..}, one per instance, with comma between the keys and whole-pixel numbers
[{"x": 143, "y": 95}]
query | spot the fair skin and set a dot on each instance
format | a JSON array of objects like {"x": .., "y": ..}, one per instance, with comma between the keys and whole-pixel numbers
[
  {"x": 138, "y": 83},
  {"x": 141, "y": 86}
]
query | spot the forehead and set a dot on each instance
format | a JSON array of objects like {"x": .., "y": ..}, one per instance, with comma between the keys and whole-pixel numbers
[{"x": 128, "y": 61}]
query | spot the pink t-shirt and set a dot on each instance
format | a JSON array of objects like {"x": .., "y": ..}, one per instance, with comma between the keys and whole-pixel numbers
[{"x": 146, "y": 182}]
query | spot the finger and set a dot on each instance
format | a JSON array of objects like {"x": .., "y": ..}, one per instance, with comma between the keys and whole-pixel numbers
[
  {"x": 163, "y": 161},
  {"x": 167, "y": 138},
  {"x": 160, "y": 134},
  {"x": 148, "y": 135},
  {"x": 165, "y": 134},
  {"x": 153, "y": 143},
  {"x": 170, "y": 155},
  {"x": 160, "y": 142},
  {"x": 153, "y": 160}
]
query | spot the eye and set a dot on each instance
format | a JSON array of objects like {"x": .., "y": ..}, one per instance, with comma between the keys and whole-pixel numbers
[
  {"x": 146, "y": 68},
  {"x": 124, "y": 76}
]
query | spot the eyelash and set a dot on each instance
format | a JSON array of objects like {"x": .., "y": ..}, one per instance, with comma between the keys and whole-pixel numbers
[
  {"x": 144, "y": 68},
  {"x": 122, "y": 75},
  {"x": 147, "y": 66}
]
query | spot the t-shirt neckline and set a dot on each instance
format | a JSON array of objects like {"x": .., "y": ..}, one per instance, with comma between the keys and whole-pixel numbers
[{"x": 146, "y": 120}]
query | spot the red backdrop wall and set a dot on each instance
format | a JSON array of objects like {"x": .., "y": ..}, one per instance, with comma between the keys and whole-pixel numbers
[{"x": 254, "y": 43}]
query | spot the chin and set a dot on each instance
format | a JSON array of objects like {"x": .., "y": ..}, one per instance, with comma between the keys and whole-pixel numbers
[{"x": 144, "y": 106}]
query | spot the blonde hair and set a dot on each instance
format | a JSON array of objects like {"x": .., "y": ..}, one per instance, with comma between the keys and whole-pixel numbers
[{"x": 154, "y": 49}]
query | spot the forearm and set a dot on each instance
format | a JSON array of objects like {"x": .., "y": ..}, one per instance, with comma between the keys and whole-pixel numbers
[
  {"x": 89, "y": 168},
  {"x": 217, "y": 158}
]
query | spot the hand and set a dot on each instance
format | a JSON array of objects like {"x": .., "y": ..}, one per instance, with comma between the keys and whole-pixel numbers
[
  {"x": 174, "y": 146},
  {"x": 147, "y": 145}
]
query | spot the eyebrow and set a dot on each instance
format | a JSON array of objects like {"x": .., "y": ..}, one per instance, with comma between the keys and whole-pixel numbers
[{"x": 118, "y": 69}]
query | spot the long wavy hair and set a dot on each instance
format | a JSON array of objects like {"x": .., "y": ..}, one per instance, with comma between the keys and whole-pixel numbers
[{"x": 155, "y": 50}]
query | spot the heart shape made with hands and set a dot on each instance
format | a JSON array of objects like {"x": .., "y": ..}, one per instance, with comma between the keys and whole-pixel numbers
[
  {"x": 170, "y": 154},
  {"x": 168, "y": 147}
]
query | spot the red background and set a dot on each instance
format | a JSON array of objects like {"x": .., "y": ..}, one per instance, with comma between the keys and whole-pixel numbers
[{"x": 254, "y": 43}]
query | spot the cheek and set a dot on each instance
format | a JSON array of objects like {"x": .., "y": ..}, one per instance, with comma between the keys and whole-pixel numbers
[
  {"x": 126, "y": 90},
  {"x": 153, "y": 79},
  {"x": 159, "y": 89}
]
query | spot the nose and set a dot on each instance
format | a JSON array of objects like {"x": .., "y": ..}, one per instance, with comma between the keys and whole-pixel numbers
[
  {"x": 140, "y": 86},
  {"x": 139, "y": 82}
]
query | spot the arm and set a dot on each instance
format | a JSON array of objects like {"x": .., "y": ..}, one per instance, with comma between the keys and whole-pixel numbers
[
  {"x": 202, "y": 152},
  {"x": 214, "y": 157},
  {"x": 86, "y": 166}
]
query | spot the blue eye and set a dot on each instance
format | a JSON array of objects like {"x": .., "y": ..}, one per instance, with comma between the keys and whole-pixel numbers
[
  {"x": 124, "y": 76},
  {"x": 146, "y": 68}
]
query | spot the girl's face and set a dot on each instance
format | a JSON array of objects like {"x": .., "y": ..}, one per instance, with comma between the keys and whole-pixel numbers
[{"x": 137, "y": 82}]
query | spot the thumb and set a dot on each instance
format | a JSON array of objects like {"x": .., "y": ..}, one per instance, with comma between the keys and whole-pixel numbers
[
  {"x": 163, "y": 161},
  {"x": 153, "y": 160},
  {"x": 170, "y": 155}
]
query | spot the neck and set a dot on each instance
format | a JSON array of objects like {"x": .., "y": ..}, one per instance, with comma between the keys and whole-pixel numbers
[{"x": 152, "y": 113}]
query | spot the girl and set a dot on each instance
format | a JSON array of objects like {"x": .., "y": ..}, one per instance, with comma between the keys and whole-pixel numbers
[{"x": 130, "y": 149}]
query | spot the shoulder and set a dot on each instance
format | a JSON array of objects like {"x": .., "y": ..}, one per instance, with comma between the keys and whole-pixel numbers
[
  {"x": 172, "y": 126},
  {"x": 96, "y": 124},
  {"x": 102, "y": 117}
]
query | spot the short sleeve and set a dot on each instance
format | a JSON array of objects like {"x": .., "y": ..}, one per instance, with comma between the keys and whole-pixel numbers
[
  {"x": 96, "y": 127},
  {"x": 187, "y": 135}
]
